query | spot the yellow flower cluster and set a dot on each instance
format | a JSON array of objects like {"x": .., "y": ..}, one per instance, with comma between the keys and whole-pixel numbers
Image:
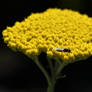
[{"x": 54, "y": 28}]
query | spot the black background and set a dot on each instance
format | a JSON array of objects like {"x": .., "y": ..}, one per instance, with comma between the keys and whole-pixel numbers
[{"x": 17, "y": 72}]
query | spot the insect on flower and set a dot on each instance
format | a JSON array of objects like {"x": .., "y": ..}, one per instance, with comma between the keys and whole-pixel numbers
[{"x": 62, "y": 50}]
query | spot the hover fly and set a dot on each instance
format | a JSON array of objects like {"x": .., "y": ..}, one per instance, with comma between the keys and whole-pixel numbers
[{"x": 62, "y": 50}]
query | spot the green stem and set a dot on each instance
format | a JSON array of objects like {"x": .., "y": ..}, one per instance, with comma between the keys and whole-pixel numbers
[
  {"x": 51, "y": 88},
  {"x": 43, "y": 70},
  {"x": 59, "y": 68},
  {"x": 53, "y": 76},
  {"x": 51, "y": 65}
]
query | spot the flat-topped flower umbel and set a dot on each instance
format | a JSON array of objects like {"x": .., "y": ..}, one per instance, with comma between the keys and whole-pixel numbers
[{"x": 54, "y": 28}]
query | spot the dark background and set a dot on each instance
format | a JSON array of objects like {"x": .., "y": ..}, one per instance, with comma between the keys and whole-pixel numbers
[{"x": 17, "y": 72}]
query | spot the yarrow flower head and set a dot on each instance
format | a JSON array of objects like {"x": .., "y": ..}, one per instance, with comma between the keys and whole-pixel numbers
[{"x": 54, "y": 28}]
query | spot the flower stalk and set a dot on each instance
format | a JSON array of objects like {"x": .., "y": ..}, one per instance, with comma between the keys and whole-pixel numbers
[{"x": 55, "y": 72}]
